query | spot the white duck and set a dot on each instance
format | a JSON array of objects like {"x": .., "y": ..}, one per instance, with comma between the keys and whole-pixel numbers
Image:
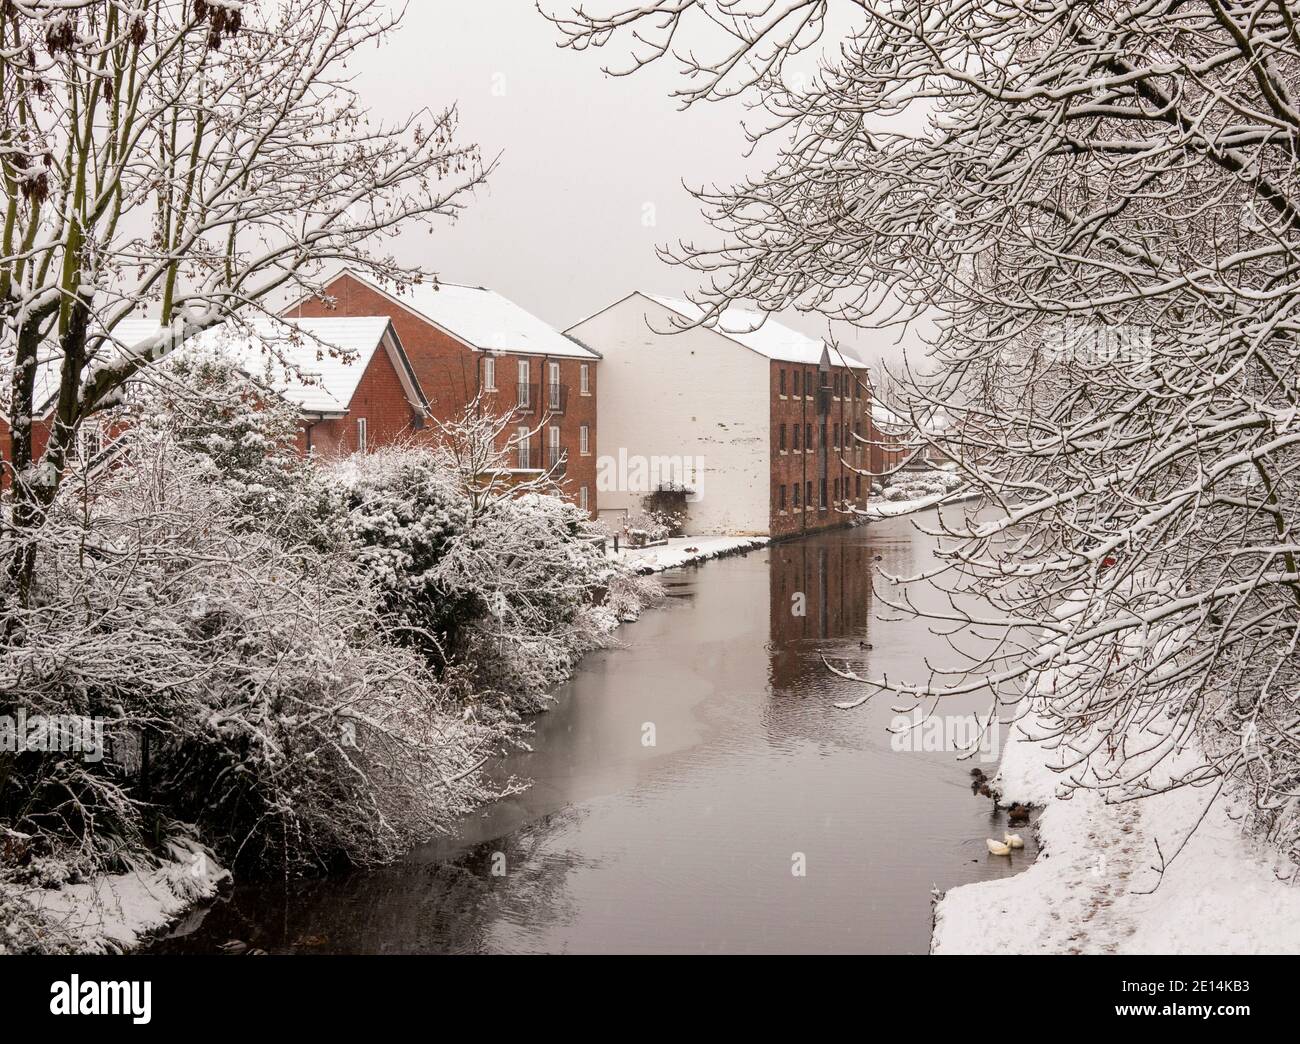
[
  {"x": 1013, "y": 840},
  {"x": 998, "y": 848}
]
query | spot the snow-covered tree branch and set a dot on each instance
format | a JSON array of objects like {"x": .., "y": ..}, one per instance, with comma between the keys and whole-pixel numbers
[
  {"x": 1100, "y": 206},
  {"x": 181, "y": 160}
]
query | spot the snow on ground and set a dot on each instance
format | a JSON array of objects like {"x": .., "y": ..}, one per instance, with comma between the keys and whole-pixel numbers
[
  {"x": 681, "y": 550},
  {"x": 879, "y": 507},
  {"x": 1091, "y": 888},
  {"x": 113, "y": 914}
]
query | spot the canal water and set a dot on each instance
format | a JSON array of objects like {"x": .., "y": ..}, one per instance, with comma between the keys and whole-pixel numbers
[{"x": 762, "y": 818}]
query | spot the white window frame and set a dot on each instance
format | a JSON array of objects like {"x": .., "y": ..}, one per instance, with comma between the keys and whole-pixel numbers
[
  {"x": 584, "y": 440},
  {"x": 582, "y": 498},
  {"x": 363, "y": 435},
  {"x": 553, "y": 385},
  {"x": 489, "y": 374},
  {"x": 552, "y": 445},
  {"x": 584, "y": 379},
  {"x": 522, "y": 452},
  {"x": 522, "y": 389}
]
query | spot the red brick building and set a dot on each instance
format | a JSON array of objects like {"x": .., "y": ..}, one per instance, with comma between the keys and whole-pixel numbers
[
  {"x": 349, "y": 375},
  {"x": 761, "y": 425},
  {"x": 468, "y": 342},
  {"x": 821, "y": 442}
]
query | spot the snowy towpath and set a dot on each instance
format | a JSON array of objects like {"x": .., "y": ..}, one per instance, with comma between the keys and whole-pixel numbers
[{"x": 1093, "y": 887}]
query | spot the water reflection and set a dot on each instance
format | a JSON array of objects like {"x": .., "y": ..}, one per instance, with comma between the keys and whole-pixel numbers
[{"x": 692, "y": 843}]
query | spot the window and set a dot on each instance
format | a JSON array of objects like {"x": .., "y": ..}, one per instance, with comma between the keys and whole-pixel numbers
[
  {"x": 582, "y": 498},
  {"x": 807, "y": 438},
  {"x": 808, "y": 385},
  {"x": 584, "y": 379},
  {"x": 521, "y": 437},
  {"x": 795, "y": 491},
  {"x": 857, "y": 389},
  {"x": 857, "y": 487},
  {"x": 837, "y": 386},
  {"x": 836, "y": 443},
  {"x": 780, "y": 443},
  {"x": 523, "y": 383},
  {"x": 821, "y": 504},
  {"x": 807, "y": 500},
  {"x": 489, "y": 374},
  {"x": 780, "y": 498},
  {"x": 837, "y": 491},
  {"x": 361, "y": 434},
  {"x": 782, "y": 382},
  {"x": 584, "y": 440},
  {"x": 796, "y": 382},
  {"x": 553, "y": 398},
  {"x": 796, "y": 437},
  {"x": 553, "y": 446}
]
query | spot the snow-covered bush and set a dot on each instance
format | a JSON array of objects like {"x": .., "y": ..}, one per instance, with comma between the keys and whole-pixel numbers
[
  {"x": 656, "y": 524},
  {"x": 241, "y": 434},
  {"x": 528, "y": 566},
  {"x": 400, "y": 507},
  {"x": 259, "y": 682}
]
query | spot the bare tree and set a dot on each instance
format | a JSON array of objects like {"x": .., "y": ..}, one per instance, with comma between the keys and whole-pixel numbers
[
  {"x": 180, "y": 160},
  {"x": 1100, "y": 204}
]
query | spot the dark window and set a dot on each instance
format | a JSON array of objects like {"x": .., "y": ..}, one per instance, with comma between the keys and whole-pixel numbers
[
  {"x": 837, "y": 385},
  {"x": 781, "y": 441},
  {"x": 808, "y": 498},
  {"x": 783, "y": 382},
  {"x": 822, "y": 503},
  {"x": 807, "y": 436},
  {"x": 796, "y": 435},
  {"x": 781, "y": 497},
  {"x": 837, "y": 489},
  {"x": 795, "y": 490},
  {"x": 796, "y": 383}
]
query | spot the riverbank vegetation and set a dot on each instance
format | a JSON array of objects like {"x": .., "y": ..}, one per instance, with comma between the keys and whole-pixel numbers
[{"x": 299, "y": 664}]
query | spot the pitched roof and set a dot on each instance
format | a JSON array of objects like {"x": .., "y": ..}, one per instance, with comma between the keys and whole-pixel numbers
[
  {"x": 317, "y": 363},
  {"x": 760, "y": 333},
  {"x": 482, "y": 319}
]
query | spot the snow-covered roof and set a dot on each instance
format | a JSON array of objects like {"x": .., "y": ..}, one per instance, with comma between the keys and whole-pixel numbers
[
  {"x": 883, "y": 417},
  {"x": 316, "y": 363},
  {"x": 761, "y": 333},
  {"x": 483, "y": 319}
]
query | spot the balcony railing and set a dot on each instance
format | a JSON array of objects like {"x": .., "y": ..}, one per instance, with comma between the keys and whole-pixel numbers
[
  {"x": 556, "y": 460},
  {"x": 546, "y": 398},
  {"x": 525, "y": 397}
]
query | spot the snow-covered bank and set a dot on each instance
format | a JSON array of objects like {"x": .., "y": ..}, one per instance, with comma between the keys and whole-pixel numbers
[
  {"x": 879, "y": 507},
  {"x": 113, "y": 913},
  {"x": 1091, "y": 888},
  {"x": 680, "y": 551}
]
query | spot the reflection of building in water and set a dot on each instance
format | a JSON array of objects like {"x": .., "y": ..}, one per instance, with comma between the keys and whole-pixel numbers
[{"x": 818, "y": 592}]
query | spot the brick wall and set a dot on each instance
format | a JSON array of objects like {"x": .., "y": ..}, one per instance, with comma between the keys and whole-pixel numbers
[
  {"x": 802, "y": 465},
  {"x": 451, "y": 373}
]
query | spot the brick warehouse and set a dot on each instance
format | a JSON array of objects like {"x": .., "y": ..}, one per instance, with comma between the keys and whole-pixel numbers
[
  {"x": 466, "y": 341},
  {"x": 762, "y": 423}
]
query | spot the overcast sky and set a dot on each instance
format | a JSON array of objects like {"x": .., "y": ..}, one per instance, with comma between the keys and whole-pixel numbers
[{"x": 592, "y": 167}]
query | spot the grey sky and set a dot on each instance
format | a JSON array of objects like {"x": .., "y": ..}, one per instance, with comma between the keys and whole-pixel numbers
[{"x": 562, "y": 228}]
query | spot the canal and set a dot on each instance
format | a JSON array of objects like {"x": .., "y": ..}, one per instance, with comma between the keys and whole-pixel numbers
[{"x": 693, "y": 790}]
